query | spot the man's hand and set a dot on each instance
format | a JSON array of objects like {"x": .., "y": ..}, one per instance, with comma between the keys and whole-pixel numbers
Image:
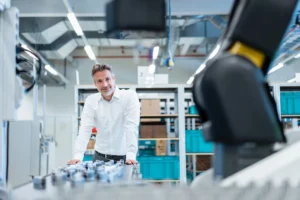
[
  {"x": 74, "y": 161},
  {"x": 130, "y": 162}
]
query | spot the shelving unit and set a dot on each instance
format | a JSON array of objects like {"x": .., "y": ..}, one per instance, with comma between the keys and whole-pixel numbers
[
  {"x": 276, "y": 90},
  {"x": 160, "y": 116},
  {"x": 146, "y": 139},
  {"x": 192, "y": 123},
  {"x": 172, "y": 112}
]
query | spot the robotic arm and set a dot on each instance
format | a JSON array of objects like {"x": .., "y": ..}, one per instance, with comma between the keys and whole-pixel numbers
[{"x": 238, "y": 112}]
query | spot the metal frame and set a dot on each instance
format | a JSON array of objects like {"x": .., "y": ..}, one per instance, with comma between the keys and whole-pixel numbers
[{"x": 9, "y": 23}]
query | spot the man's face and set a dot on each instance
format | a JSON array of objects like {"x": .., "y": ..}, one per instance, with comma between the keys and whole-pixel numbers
[{"x": 105, "y": 82}]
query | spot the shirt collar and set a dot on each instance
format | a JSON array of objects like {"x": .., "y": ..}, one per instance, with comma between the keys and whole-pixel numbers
[{"x": 117, "y": 94}]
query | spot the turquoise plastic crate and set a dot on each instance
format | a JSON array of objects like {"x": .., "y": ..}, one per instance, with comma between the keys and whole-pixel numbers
[
  {"x": 147, "y": 143},
  {"x": 147, "y": 148},
  {"x": 297, "y": 102},
  {"x": 195, "y": 142},
  {"x": 159, "y": 167},
  {"x": 88, "y": 158},
  {"x": 147, "y": 152},
  {"x": 290, "y": 103},
  {"x": 193, "y": 110}
]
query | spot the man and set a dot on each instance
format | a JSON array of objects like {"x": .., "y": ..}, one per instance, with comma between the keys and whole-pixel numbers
[{"x": 115, "y": 113}]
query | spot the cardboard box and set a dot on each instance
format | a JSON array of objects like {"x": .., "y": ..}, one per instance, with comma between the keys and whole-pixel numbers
[
  {"x": 91, "y": 144},
  {"x": 153, "y": 131},
  {"x": 161, "y": 148},
  {"x": 146, "y": 131},
  {"x": 159, "y": 131},
  {"x": 204, "y": 162},
  {"x": 150, "y": 107}
]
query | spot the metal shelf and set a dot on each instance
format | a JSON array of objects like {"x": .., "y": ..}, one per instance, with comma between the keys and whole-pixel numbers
[
  {"x": 155, "y": 116},
  {"x": 160, "y": 181},
  {"x": 192, "y": 115},
  {"x": 158, "y": 139},
  {"x": 160, "y": 116},
  {"x": 290, "y": 116},
  {"x": 200, "y": 154}
]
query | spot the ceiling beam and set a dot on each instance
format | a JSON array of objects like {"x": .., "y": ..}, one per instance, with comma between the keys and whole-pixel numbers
[
  {"x": 35, "y": 25},
  {"x": 46, "y": 8},
  {"x": 202, "y": 29}
]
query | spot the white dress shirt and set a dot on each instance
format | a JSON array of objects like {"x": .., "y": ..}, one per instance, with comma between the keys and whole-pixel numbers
[{"x": 116, "y": 122}]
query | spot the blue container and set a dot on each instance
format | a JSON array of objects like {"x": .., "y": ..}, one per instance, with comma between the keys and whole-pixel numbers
[
  {"x": 290, "y": 103},
  {"x": 147, "y": 152},
  {"x": 290, "y": 100},
  {"x": 159, "y": 167},
  {"x": 147, "y": 143},
  {"x": 195, "y": 142},
  {"x": 88, "y": 158},
  {"x": 297, "y": 102},
  {"x": 193, "y": 110},
  {"x": 283, "y": 103}
]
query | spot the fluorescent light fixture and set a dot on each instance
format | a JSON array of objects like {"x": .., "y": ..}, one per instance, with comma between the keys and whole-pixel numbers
[
  {"x": 202, "y": 66},
  {"x": 155, "y": 52},
  {"x": 214, "y": 52},
  {"x": 77, "y": 77},
  {"x": 151, "y": 69},
  {"x": 298, "y": 55},
  {"x": 292, "y": 80},
  {"x": 89, "y": 52},
  {"x": 51, "y": 70},
  {"x": 277, "y": 67},
  {"x": 30, "y": 54},
  {"x": 190, "y": 81},
  {"x": 73, "y": 20}
]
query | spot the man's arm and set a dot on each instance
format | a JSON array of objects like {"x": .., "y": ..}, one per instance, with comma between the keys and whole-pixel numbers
[
  {"x": 86, "y": 124},
  {"x": 132, "y": 119}
]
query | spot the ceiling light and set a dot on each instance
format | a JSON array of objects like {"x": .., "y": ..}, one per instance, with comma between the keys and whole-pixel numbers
[
  {"x": 190, "y": 81},
  {"x": 277, "y": 67},
  {"x": 151, "y": 69},
  {"x": 77, "y": 77},
  {"x": 27, "y": 52},
  {"x": 51, "y": 70},
  {"x": 298, "y": 55},
  {"x": 73, "y": 20},
  {"x": 155, "y": 52},
  {"x": 214, "y": 52},
  {"x": 202, "y": 66},
  {"x": 89, "y": 52},
  {"x": 292, "y": 80}
]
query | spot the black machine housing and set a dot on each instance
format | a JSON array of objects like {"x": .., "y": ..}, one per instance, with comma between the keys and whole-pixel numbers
[{"x": 231, "y": 94}]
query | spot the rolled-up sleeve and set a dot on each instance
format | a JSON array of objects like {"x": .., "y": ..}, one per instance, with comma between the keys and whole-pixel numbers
[
  {"x": 132, "y": 119},
  {"x": 86, "y": 124}
]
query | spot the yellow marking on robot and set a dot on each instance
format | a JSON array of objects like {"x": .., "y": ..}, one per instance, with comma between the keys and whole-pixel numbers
[{"x": 252, "y": 54}]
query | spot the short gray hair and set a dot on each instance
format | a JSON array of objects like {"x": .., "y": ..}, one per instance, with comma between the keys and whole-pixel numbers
[{"x": 100, "y": 68}]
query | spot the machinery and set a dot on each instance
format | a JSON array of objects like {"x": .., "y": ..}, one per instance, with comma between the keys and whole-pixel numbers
[
  {"x": 20, "y": 141},
  {"x": 68, "y": 182},
  {"x": 237, "y": 111}
]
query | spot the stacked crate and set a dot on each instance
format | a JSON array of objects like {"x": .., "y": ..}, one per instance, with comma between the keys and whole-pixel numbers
[{"x": 154, "y": 161}]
